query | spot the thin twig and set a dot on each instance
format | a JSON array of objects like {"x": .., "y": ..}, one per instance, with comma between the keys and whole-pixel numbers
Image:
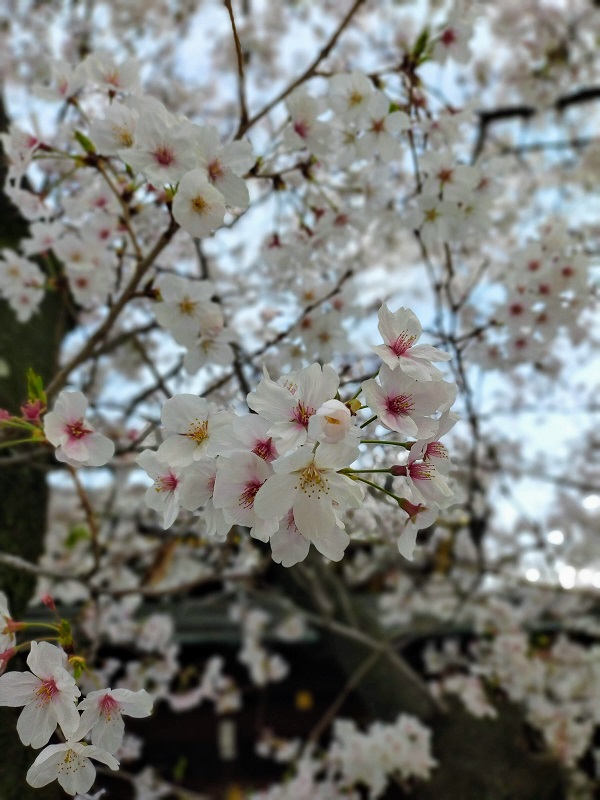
[
  {"x": 240, "y": 62},
  {"x": 308, "y": 73}
]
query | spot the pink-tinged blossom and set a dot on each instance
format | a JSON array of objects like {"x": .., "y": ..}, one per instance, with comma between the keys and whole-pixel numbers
[
  {"x": 291, "y": 405},
  {"x": 48, "y": 694},
  {"x": 164, "y": 496},
  {"x": 70, "y": 764},
  {"x": 198, "y": 207},
  {"x": 404, "y": 405},
  {"x": 64, "y": 81},
  {"x": 432, "y": 451},
  {"x": 380, "y": 138},
  {"x": 400, "y": 331},
  {"x": 247, "y": 434},
  {"x": 42, "y": 237},
  {"x": 19, "y": 148},
  {"x": 425, "y": 484},
  {"x": 76, "y": 441},
  {"x": 103, "y": 715},
  {"x": 102, "y": 69},
  {"x": 224, "y": 165},
  {"x": 162, "y": 150},
  {"x": 309, "y": 484},
  {"x": 453, "y": 41},
  {"x": 304, "y": 129},
  {"x": 192, "y": 422},
  {"x": 237, "y": 484}
]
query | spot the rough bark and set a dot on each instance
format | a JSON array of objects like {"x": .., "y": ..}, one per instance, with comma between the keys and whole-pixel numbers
[{"x": 24, "y": 492}]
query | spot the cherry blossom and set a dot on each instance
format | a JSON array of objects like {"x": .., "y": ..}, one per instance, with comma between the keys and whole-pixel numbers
[
  {"x": 308, "y": 484},
  {"x": 331, "y": 423},
  {"x": 290, "y": 406},
  {"x": 198, "y": 207},
  {"x": 162, "y": 150},
  {"x": 76, "y": 441},
  {"x": 195, "y": 424},
  {"x": 69, "y": 763},
  {"x": 186, "y": 307},
  {"x": 305, "y": 130},
  {"x": 103, "y": 712},
  {"x": 400, "y": 331},
  {"x": 350, "y": 96},
  {"x": 224, "y": 165},
  {"x": 164, "y": 496},
  {"x": 405, "y": 405},
  {"x": 237, "y": 483},
  {"x": 48, "y": 694}
]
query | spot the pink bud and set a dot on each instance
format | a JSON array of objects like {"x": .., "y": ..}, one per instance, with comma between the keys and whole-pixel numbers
[
  {"x": 4, "y": 414},
  {"x": 31, "y": 410},
  {"x": 5, "y": 657},
  {"x": 48, "y": 601}
]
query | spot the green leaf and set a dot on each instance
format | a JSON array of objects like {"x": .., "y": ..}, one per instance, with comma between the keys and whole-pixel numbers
[
  {"x": 419, "y": 50},
  {"x": 78, "y": 533},
  {"x": 86, "y": 143},
  {"x": 180, "y": 769},
  {"x": 35, "y": 387}
]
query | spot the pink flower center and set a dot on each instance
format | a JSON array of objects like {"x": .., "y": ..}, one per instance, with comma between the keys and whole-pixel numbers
[
  {"x": 166, "y": 483},
  {"x": 247, "y": 497},
  {"x": 302, "y": 128},
  {"x": 403, "y": 343},
  {"x": 47, "y": 690},
  {"x": 266, "y": 450},
  {"x": 302, "y": 414},
  {"x": 163, "y": 155},
  {"x": 108, "y": 706},
  {"x": 215, "y": 170},
  {"x": 77, "y": 429},
  {"x": 448, "y": 37},
  {"x": 436, "y": 450},
  {"x": 421, "y": 472},
  {"x": 401, "y": 404}
]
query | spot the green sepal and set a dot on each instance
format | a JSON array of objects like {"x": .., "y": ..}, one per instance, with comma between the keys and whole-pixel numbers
[
  {"x": 85, "y": 142},
  {"x": 35, "y": 387}
]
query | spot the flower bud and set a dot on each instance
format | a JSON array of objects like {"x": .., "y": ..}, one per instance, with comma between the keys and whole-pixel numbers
[{"x": 330, "y": 423}]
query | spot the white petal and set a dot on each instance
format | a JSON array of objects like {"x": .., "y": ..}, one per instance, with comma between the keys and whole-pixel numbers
[
  {"x": 17, "y": 688},
  {"x": 275, "y": 497},
  {"x": 36, "y": 724}
]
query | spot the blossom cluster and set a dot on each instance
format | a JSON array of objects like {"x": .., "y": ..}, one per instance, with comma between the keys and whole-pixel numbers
[
  {"x": 285, "y": 472},
  {"x": 48, "y": 694},
  {"x": 357, "y": 759}
]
